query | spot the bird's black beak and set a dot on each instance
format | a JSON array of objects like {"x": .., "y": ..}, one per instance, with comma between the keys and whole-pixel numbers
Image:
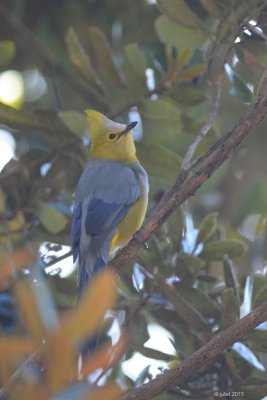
[{"x": 128, "y": 128}]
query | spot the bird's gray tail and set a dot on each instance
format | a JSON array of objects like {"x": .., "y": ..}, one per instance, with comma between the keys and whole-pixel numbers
[
  {"x": 84, "y": 278},
  {"x": 87, "y": 273}
]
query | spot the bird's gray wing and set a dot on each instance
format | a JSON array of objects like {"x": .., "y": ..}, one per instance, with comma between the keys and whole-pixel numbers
[{"x": 104, "y": 194}]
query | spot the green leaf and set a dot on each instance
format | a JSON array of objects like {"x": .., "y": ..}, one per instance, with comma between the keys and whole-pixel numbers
[
  {"x": 75, "y": 121},
  {"x": 155, "y": 354},
  {"x": 260, "y": 297},
  {"x": 176, "y": 227},
  {"x": 189, "y": 73},
  {"x": 207, "y": 228},
  {"x": 255, "y": 392},
  {"x": 261, "y": 225},
  {"x": 18, "y": 118},
  {"x": 259, "y": 282},
  {"x": 212, "y": 8},
  {"x": 240, "y": 88},
  {"x": 183, "y": 57},
  {"x": 51, "y": 219},
  {"x": 230, "y": 308},
  {"x": 138, "y": 330},
  {"x": 188, "y": 96},
  {"x": 161, "y": 122},
  {"x": 180, "y": 12},
  {"x": 168, "y": 162},
  {"x": 257, "y": 340},
  {"x": 103, "y": 58},
  {"x": 137, "y": 60},
  {"x": 216, "y": 250},
  {"x": 200, "y": 301},
  {"x": 183, "y": 308},
  {"x": 230, "y": 276},
  {"x": 173, "y": 34},
  {"x": 80, "y": 58},
  {"x": 7, "y": 52},
  {"x": 253, "y": 52},
  {"x": 191, "y": 261}
]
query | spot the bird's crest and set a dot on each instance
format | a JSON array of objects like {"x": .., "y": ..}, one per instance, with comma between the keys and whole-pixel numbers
[{"x": 99, "y": 123}]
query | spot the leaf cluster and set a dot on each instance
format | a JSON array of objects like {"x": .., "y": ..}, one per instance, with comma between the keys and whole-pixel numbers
[{"x": 188, "y": 281}]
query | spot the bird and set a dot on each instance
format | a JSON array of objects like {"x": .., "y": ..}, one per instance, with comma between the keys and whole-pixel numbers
[{"x": 111, "y": 197}]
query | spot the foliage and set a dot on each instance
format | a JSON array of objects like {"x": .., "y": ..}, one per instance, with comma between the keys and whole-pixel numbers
[{"x": 192, "y": 281}]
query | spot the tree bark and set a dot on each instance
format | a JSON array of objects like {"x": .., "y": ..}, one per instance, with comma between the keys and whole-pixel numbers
[{"x": 209, "y": 351}]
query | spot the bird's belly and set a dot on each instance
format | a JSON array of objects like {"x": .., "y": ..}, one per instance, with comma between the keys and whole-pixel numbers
[{"x": 130, "y": 224}]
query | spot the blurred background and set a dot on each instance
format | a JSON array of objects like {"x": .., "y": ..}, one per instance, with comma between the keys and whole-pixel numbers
[{"x": 150, "y": 62}]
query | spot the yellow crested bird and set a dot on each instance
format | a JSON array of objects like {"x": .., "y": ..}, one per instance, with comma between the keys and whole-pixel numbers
[{"x": 110, "y": 199}]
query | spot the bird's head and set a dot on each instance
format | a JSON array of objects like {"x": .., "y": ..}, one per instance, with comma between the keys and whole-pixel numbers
[{"x": 109, "y": 139}]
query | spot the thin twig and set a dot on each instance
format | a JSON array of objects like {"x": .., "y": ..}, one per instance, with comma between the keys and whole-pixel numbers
[
  {"x": 215, "y": 102},
  {"x": 177, "y": 375}
]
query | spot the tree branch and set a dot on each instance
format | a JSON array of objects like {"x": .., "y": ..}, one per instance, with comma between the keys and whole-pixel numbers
[
  {"x": 184, "y": 188},
  {"x": 209, "y": 351},
  {"x": 215, "y": 102}
]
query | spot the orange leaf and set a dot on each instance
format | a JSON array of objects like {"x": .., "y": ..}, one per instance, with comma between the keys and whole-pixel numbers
[
  {"x": 110, "y": 392},
  {"x": 28, "y": 391},
  {"x": 105, "y": 357},
  {"x": 84, "y": 320},
  {"x": 12, "y": 350},
  {"x": 61, "y": 361},
  {"x": 18, "y": 260},
  {"x": 29, "y": 309},
  {"x": 12, "y": 347},
  {"x": 61, "y": 350}
]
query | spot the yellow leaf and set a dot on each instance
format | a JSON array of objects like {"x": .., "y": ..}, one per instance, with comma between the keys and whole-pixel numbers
[
  {"x": 17, "y": 223},
  {"x": 174, "y": 362}
]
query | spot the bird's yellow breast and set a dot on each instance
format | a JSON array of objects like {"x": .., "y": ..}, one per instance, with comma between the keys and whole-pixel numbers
[{"x": 130, "y": 223}]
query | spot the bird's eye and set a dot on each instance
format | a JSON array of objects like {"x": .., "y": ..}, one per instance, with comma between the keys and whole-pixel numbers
[{"x": 112, "y": 136}]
